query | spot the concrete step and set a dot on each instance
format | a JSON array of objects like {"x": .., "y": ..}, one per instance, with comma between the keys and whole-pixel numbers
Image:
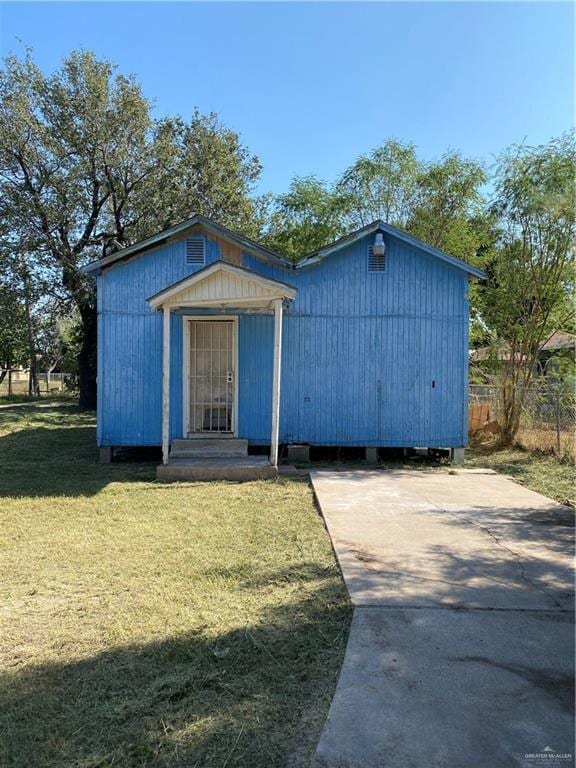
[
  {"x": 230, "y": 468},
  {"x": 209, "y": 447}
]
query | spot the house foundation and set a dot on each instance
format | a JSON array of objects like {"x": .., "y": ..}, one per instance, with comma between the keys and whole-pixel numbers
[
  {"x": 457, "y": 455},
  {"x": 299, "y": 453},
  {"x": 106, "y": 454},
  {"x": 371, "y": 455}
]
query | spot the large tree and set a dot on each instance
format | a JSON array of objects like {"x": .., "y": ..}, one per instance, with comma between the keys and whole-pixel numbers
[
  {"x": 440, "y": 202},
  {"x": 25, "y": 293},
  {"x": 85, "y": 170},
  {"x": 381, "y": 185},
  {"x": 529, "y": 292},
  {"x": 308, "y": 216},
  {"x": 448, "y": 209},
  {"x": 13, "y": 337}
]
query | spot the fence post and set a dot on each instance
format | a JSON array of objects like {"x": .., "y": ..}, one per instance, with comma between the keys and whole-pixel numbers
[{"x": 558, "y": 442}]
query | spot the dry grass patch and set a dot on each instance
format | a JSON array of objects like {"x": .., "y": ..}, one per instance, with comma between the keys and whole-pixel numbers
[
  {"x": 156, "y": 625},
  {"x": 546, "y": 441}
]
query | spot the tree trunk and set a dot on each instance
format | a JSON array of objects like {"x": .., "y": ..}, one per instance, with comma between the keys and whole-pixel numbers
[
  {"x": 512, "y": 400},
  {"x": 84, "y": 295},
  {"x": 33, "y": 388},
  {"x": 87, "y": 357},
  {"x": 49, "y": 374}
]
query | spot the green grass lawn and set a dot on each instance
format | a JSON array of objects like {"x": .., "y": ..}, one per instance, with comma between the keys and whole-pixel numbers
[
  {"x": 542, "y": 473},
  {"x": 6, "y": 399},
  {"x": 144, "y": 624}
]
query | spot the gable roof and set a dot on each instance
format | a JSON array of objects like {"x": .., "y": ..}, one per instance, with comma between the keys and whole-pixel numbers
[
  {"x": 559, "y": 341},
  {"x": 196, "y": 220},
  {"x": 381, "y": 226},
  {"x": 221, "y": 284},
  {"x": 266, "y": 253}
]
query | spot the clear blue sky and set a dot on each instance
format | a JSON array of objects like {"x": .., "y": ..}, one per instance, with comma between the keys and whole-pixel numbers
[{"x": 309, "y": 86}]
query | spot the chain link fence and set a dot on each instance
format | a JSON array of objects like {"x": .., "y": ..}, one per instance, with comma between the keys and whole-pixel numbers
[
  {"x": 16, "y": 383},
  {"x": 547, "y": 424}
]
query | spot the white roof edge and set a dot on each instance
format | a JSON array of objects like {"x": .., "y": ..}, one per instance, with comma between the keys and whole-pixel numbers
[{"x": 286, "y": 291}]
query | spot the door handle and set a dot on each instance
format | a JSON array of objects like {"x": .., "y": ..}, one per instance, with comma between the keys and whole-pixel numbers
[{"x": 229, "y": 378}]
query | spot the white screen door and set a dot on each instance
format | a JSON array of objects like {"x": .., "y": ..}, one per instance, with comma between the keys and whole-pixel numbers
[{"x": 212, "y": 376}]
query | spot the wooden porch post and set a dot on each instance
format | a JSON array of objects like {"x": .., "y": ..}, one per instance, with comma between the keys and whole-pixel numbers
[
  {"x": 165, "y": 384},
  {"x": 276, "y": 382}
]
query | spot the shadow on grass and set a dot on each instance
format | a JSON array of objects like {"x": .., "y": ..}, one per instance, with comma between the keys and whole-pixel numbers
[
  {"x": 248, "y": 698},
  {"x": 47, "y": 452}
]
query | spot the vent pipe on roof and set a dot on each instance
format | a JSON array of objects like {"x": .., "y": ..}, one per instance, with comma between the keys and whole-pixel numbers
[{"x": 379, "y": 245}]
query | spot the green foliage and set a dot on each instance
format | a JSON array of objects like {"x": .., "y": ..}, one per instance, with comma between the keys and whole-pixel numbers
[
  {"x": 531, "y": 274},
  {"x": 85, "y": 170},
  {"x": 308, "y": 216},
  {"x": 13, "y": 343},
  {"x": 58, "y": 339},
  {"x": 561, "y": 369},
  {"x": 438, "y": 202},
  {"x": 201, "y": 168},
  {"x": 381, "y": 185},
  {"x": 448, "y": 206},
  {"x": 82, "y": 156},
  {"x": 529, "y": 293}
]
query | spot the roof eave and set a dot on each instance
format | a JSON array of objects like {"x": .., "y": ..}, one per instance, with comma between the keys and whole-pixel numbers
[
  {"x": 197, "y": 220},
  {"x": 249, "y": 245},
  {"x": 375, "y": 226},
  {"x": 343, "y": 242}
]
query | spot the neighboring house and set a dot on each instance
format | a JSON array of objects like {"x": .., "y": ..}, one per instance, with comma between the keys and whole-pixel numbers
[
  {"x": 559, "y": 348},
  {"x": 204, "y": 333}
]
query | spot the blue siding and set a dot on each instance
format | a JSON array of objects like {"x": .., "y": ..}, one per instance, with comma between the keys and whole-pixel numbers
[
  {"x": 360, "y": 353},
  {"x": 256, "y": 357},
  {"x": 130, "y": 353},
  {"x": 361, "y": 350}
]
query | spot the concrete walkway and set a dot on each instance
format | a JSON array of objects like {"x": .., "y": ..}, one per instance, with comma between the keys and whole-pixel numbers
[{"x": 461, "y": 646}]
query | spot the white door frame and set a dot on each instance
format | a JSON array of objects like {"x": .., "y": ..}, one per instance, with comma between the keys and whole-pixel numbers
[{"x": 186, "y": 319}]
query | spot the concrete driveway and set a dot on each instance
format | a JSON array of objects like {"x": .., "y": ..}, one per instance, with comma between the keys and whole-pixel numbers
[{"x": 462, "y": 642}]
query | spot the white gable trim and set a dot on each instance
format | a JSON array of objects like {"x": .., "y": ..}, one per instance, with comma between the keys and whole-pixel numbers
[{"x": 223, "y": 284}]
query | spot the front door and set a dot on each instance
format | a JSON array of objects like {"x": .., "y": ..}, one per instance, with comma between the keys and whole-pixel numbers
[{"x": 212, "y": 377}]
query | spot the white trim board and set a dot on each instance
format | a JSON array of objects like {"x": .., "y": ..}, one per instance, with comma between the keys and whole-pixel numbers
[{"x": 222, "y": 284}]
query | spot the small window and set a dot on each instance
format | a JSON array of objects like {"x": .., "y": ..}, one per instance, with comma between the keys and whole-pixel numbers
[
  {"x": 195, "y": 250},
  {"x": 376, "y": 262}
]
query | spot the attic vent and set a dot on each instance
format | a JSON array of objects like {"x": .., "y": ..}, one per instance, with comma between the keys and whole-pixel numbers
[
  {"x": 376, "y": 261},
  {"x": 195, "y": 250}
]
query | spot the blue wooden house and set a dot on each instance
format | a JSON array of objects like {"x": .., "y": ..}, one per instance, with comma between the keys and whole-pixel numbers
[{"x": 209, "y": 343}]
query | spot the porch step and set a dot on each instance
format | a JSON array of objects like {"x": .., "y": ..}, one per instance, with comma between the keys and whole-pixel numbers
[
  {"x": 209, "y": 447},
  {"x": 231, "y": 468}
]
